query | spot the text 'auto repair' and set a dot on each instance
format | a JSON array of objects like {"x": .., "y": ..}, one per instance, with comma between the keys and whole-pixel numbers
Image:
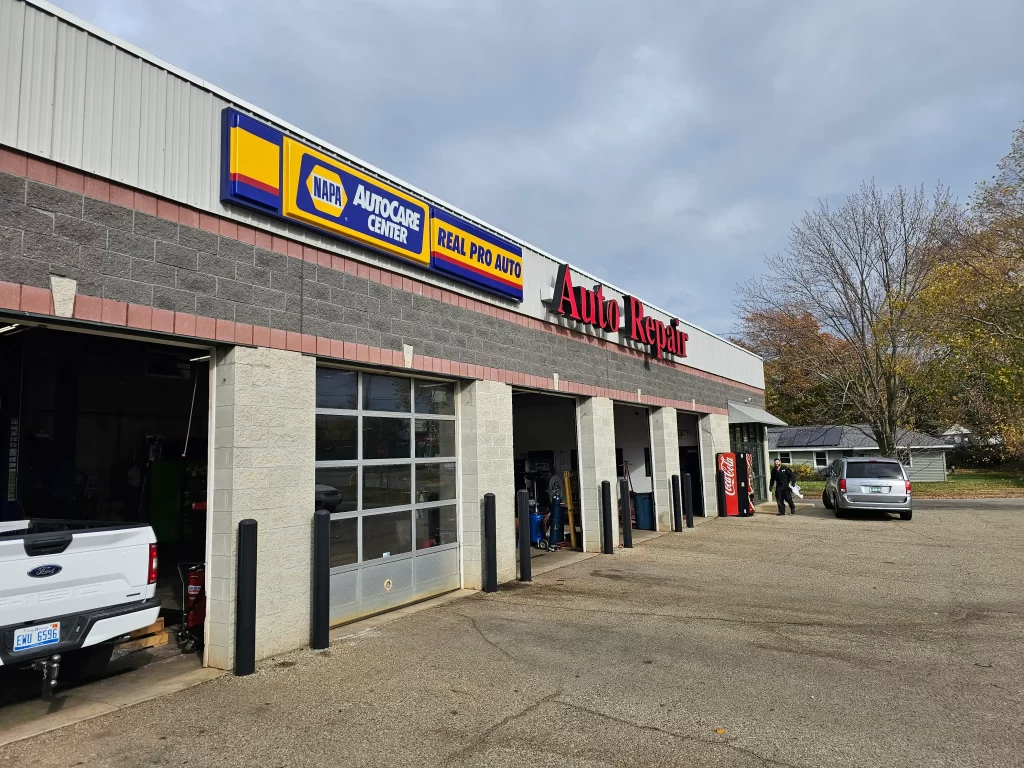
[{"x": 591, "y": 308}]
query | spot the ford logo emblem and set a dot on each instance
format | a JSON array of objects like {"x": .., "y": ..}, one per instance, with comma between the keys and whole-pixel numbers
[{"x": 45, "y": 570}]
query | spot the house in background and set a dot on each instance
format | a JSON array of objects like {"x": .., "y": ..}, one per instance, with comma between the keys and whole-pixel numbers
[{"x": 923, "y": 456}]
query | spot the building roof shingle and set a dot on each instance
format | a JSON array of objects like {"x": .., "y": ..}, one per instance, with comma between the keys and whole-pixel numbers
[{"x": 848, "y": 437}]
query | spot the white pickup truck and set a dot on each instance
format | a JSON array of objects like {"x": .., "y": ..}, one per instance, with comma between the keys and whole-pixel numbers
[{"x": 69, "y": 590}]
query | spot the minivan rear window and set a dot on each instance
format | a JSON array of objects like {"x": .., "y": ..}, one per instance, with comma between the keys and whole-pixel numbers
[{"x": 881, "y": 470}]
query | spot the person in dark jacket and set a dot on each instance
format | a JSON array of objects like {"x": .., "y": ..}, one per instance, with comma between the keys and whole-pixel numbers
[{"x": 782, "y": 479}]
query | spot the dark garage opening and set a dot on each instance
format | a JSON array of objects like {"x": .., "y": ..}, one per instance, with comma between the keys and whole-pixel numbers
[
  {"x": 545, "y": 450},
  {"x": 109, "y": 429},
  {"x": 689, "y": 459}
]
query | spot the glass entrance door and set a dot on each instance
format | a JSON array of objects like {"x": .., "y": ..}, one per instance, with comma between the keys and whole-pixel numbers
[{"x": 750, "y": 438}]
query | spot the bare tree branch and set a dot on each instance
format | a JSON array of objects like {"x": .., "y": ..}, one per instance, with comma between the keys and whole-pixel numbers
[{"x": 845, "y": 295}]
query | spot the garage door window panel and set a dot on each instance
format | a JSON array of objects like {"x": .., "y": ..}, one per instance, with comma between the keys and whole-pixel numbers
[
  {"x": 435, "y": 397},
  {"x": 436, "y": 526},
  {"x": 387, "y": 485},
  {"x": 387, "y": 534},
  {"x": 385, "y": 437},
  {"x": 435, "y": 481},
  {"x": 336, "y": 437},
  {"x": 389, "y": 394},
  {"x": 344, "y": 542},
  {"x": 434, "y": 438},
  {"x": 337, "y": 389},
  {"x": 385, "y": 465},
  {"x": 337, "y": 489}
]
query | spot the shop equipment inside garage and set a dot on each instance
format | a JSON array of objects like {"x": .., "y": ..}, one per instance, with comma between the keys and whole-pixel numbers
[
  {"x": 109, "y": 429},
  {"x": 544, "y": 445}
]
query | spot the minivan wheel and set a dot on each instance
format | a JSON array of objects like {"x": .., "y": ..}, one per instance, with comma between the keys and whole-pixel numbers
[
  {"x": 840, "y": 512},
  {"x": 906, "y": 515},
  {"x": 825, "y": 500}
]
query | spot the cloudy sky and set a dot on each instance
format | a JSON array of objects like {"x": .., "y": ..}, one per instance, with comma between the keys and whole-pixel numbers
[{"x": 665, "y": 146}]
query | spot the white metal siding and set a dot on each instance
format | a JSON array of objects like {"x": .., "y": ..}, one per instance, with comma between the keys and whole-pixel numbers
[
  {"x": 928, "y": 467},
  {"x": 12, "y": 30},
  {"x": 98, "y": 107},
  {"x": 84, "y": 100},
  {"x": 35, "y": 102},
  {"x": 69, "y": 94}
]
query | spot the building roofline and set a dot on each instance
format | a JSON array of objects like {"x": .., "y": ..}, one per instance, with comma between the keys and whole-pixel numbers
[{"x": 70, "y": 18}]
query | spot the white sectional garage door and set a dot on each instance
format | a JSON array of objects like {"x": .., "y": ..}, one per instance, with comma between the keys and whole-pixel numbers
[{"x": 386, "y": 471}]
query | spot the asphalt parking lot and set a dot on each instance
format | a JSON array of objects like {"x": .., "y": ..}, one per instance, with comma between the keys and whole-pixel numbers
[{"x": 768, "y": 641}]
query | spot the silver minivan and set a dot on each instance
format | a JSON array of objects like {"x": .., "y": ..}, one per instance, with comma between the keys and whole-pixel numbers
[{"x": 876, "y": 485}]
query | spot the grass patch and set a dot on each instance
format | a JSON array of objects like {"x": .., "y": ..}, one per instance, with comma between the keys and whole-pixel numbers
[{"x": 965, "y": 484}]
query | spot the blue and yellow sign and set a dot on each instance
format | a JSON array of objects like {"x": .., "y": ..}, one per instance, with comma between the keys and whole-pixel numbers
[
  {"x": 265, "y": 170},
  {"x": 251, "y": 172},
  {"x": 323, "y": 193},
  {"x": 470, "y": 254}
]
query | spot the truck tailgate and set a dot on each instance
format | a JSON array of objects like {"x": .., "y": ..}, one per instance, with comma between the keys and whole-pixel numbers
[{"x": 99, "y": 568}]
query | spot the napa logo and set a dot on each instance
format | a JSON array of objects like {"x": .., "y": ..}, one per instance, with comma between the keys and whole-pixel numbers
[{"x": 326, "y": 191}]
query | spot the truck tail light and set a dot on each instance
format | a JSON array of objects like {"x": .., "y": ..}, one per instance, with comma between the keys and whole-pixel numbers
[
  {"x": 908, "y": 487},
  {"x": 152, "y": 564},
  {"x": 842, "y": 485}
]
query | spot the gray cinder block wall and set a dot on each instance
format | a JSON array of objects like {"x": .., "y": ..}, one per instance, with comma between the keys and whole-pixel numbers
[
  {"x": 263, "y": 467},
  {"x": 597, "y": 463},
  {"x": 485, "y": 423},
  {"x": 665, "y": 455},
  {"x": 714, "y": 439}
]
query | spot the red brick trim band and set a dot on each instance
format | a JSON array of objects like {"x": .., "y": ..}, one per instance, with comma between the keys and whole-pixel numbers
[
  {"x": 47, "y": 172},
  {"x": 39, "y": 301}
]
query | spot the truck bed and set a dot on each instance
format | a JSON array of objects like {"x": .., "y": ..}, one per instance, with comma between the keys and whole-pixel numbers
[{"x": 88, "y": 580}]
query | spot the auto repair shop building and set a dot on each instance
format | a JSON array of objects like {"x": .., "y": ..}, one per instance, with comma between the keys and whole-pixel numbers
[{"x": 208, "y": 315}]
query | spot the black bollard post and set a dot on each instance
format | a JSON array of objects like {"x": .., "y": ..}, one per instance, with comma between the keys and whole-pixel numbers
[
  {"x": 523, "y": 513},
  {"x": 608, "y": 544},
  {"x": 720, "y": 482},
  {"x": 688, "y": 499},
  {"x": 627, "y": 518},
  {"x": 245, "y": 600},
  {"x": 321, "y": 618},
  {"x": 490, "y": 545},
  {"x": 677, "y": 506}
]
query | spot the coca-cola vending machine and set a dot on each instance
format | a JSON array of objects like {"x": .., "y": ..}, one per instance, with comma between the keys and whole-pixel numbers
[
  {"x": 745, "y": 472},
  {"x": 728, "y": 495}
]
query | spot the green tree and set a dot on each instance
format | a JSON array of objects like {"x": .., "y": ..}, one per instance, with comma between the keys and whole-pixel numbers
[{"x": 974, "y": 305}]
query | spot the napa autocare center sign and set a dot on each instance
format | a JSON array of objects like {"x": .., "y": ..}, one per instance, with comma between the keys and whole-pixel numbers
[
  {"x": 266, "y": 170},
  {"x": 590, "y": 307},
  {"x": 325, "y": 194}
]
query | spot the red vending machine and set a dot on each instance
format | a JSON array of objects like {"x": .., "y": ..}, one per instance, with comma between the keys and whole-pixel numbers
[{"x": 728, "y": 495}]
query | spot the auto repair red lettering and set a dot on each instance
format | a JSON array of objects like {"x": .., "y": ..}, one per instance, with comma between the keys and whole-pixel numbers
[{"x": 591, "y": 308}]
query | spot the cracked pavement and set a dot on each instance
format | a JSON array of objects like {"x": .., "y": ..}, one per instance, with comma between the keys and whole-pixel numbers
[{"x": 795, "y": 641}]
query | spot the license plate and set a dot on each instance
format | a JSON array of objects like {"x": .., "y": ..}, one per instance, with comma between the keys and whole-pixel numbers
[
  {"x": 36, "y": 637},
  {"x": 878, "y": 488}
]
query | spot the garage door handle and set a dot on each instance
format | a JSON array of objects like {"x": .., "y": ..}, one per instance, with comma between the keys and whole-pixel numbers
[{"x": 47, "y": 545}]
